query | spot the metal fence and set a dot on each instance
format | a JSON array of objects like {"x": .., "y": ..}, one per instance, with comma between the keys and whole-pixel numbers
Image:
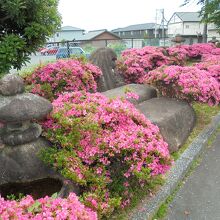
[{"x": 65, "y": 49}]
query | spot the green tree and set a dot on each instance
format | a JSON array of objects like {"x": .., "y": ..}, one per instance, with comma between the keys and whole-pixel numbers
[
  {"x": 210, "y": 11},
  {"x": 24, "y": 27},
  {"x": 117, "y": 47}
]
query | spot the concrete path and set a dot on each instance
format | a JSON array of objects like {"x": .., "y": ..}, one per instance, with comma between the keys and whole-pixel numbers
[
  {"x": 199, "y": 197},
  {"x": 34, "y": 61}
]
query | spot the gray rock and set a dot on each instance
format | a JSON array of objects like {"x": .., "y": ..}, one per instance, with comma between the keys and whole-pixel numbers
[
  {"x": 11, "y": 84},
  {"x": 23, "y": 107},
  {"x": 175, "y": 119},
  {"x": 144, "y": 92},
  {"x": 21, "y": 165},
  {"x": 22, "y": 137},
  {"x": 105, "y": 58}
]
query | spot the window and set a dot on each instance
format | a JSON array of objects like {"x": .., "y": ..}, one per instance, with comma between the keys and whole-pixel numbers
[
  {"x": 187, "y": 26},
  {"x": 58, "y": 34}
]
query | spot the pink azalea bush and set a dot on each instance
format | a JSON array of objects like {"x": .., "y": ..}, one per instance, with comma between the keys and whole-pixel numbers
[
  {"x": 197, "y": 50},
  {"x": 104, "y": 141},
  {"x": 215, "y": 51},
  {"x": 210, "y": 57},
  {"x": 187, "y": 83},
  {"x": 135, "y": 63},
  {"x": 45, "y": 208},
  {"x": 62, "y": 76},
  {"x": 212, "y": 66},
  {"x": 177, "y": 55}
]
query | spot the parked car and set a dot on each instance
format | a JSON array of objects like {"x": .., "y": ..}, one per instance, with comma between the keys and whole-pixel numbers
[
  {"x": 49, "y": 50},
  {"x": 63, "y": 52}
]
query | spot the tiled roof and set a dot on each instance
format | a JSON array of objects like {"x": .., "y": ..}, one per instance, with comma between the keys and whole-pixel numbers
[
  {"x": 136, "y": 27},
  {"x": 70, "y": 28},
  {"x": 188, "y": 16},
  {"x": 92, "y": 34}
]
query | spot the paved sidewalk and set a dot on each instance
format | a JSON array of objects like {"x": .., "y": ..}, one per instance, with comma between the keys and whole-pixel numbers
[{"x": 199, "y": 197}]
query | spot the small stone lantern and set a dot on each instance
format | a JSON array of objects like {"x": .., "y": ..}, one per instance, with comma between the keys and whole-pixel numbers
[
  {"x": 178, "y": 39},
  {"x": 18, "y": 110}
]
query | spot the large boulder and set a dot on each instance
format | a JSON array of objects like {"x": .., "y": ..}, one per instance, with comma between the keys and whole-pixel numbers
[
  {"x": 175, "y": 119},
  {"x": 144, "y": 92}
]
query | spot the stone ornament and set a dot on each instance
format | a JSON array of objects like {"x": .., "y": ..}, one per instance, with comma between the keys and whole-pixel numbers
[
  {"x": 18, "y": 110},
  {"x": 105, "y": 58}
]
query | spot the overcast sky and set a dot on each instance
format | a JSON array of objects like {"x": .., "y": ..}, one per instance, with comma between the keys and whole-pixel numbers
[{"x": 112, "y": 14}]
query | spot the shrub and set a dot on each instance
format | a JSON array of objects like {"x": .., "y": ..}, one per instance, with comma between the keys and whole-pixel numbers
[
  {"x": 197, "y": 50},
  {"x": 62, "y": 76},
  {"x": 212, "y": 66},
  {"x": 187, "y": 83},
  {"x": 46, "y": 208},
  {"x": 177, "y": 55},
  {"x": 135, "y": 63},
  {"x": 102, "y": 141},
  {"x": 117, "y": 47},
  {"x": 25, "y": 26}
]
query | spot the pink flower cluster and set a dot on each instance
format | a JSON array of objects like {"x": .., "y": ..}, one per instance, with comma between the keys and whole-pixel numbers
[
  {"x": 62, "y": 76},
  {"x": 45, "y": 208},
  {"x": 135, "y": 63},
  {"x": 177, "y": 55},
  {"x": 212, "y": 66},
  {"x": 112, "y": 134},
  {"x": 197, "y": 50},
  {"x": 187, "y": 83}
]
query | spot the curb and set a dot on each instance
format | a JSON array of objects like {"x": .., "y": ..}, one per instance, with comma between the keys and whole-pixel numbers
[{"x": 176, "y": 174}]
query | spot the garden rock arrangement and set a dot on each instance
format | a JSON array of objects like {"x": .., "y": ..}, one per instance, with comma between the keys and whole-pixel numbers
[
  {"x": 105, "y": 145},
  {"x": 19, "y": 162}
]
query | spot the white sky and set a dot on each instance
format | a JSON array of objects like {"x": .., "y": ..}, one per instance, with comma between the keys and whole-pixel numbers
[{"x": 112, "y": 14}]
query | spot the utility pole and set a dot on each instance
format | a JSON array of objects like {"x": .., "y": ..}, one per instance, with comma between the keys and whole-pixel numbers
[
  {"x": 160, "y": 16},
  {"x": 156, "y": 24},
  {"x": 163, "y": 28},
  {"x": 205, "y": 28}
]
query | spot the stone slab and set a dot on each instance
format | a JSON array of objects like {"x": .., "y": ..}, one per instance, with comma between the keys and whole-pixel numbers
[{"x": 144, "y": 92}]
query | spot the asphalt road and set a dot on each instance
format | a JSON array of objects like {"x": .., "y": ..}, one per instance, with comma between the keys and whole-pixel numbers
[{"x": 199, "y": 197}]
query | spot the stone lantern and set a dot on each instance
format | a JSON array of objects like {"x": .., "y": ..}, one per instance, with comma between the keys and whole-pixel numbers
[
  {"x": 18, "y": 110},
  {"x": 21, "y": 169},
  {"x": 178, "y": 39}
]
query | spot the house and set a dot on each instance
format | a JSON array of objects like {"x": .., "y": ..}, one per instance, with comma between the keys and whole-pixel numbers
[
  {"x": 189, "y": 26},
  {"x": 213, "y": 32},
  {"x": 140, "y": 31},
  {"x": 67, "y": 33},
  {"x": 139, "y": 35},
  {"x": 186, "y": 24},
  {"x": 98, "y": 38}
]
